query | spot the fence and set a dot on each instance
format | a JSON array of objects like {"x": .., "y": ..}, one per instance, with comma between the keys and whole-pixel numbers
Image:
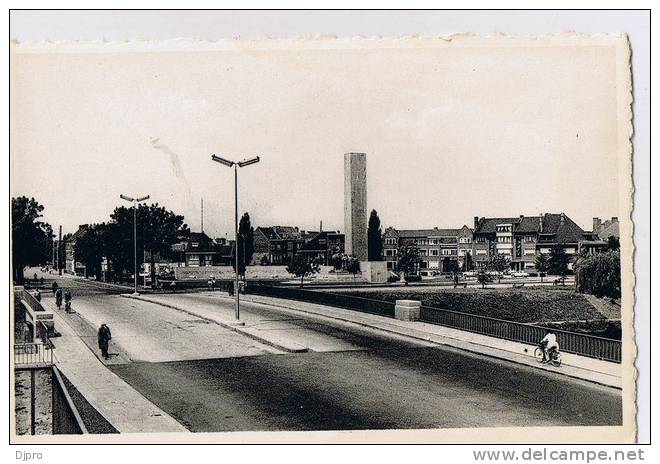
[
  {"x": 33, "y": 354},
  {"x": 570, "y": 342},
  {"x": 366, "y": 305}
]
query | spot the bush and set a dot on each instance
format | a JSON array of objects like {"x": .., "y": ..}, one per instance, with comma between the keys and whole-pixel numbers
[
  {"x": 393, "y": 278},
  {"x": 413, "y": 278},
  {"x": 599, "y": 274}
]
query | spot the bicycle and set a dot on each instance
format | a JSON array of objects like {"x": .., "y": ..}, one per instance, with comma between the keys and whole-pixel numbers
[{"x": 555, "y": 356}]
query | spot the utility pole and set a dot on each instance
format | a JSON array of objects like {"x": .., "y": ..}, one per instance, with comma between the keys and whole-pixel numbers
[
  {"x": 135, "y": 201},
  {"x": 202, "y": 220},
  {"x": 59, "y": 244}
]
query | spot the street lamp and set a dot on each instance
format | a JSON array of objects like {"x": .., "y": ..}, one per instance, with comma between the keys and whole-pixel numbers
[
  {"x": 235, "y": 165},
  {"x": 135, "y": 201}
]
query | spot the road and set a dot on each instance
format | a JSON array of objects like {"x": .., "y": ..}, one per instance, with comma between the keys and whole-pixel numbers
[{"x": 211, "y": 379}]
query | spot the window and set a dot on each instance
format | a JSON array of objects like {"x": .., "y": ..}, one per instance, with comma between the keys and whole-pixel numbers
[
  {"x": 423, "y": 252},
  {"x": 321, "y": 241},
  {"x": 390, "y": 252},
  {"x": 481, "y": 239},
  {"x": 194, "y": 244},
  {"x": 503, "y": 239},
  {"x": 434, "y": 252},
  {"x": 529, "y": 238},
  {"x": 465, "y": 240}
]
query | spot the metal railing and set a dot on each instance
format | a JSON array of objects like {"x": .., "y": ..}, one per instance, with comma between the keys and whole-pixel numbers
[
  {"x": 31, "y": 354},
  {"x": 570, "y": 342},
  {"x": 356, "y": 303}
]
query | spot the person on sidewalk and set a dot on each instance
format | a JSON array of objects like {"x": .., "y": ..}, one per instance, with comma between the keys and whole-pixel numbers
[
  {"x": 37, "y": 295},
  {"x": 58, "y": 298},
  {"x": 104, "y": 337},
  {"x": 67, "y": 301},
  {"x": 54, "y": 287}
]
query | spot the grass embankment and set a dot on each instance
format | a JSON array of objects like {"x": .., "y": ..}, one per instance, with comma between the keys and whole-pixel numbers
[{"x": 524, "y": 305}]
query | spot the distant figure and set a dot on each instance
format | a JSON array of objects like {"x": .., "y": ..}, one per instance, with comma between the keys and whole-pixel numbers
[
  {"x": 455, "y": 279},
  {"x": 212, "y": 283},
  {"x": 41, "y": 282},
  {"x": 104, "y": 337},
  {"x": 37, "y": 295},
  {"x": 173, "y": 286},
  {"x": 55, "y": 287},
  {"x": 35, "y": 278},
  {"x": 67, "y": 301},
  {"x": 58, "y": 298}
]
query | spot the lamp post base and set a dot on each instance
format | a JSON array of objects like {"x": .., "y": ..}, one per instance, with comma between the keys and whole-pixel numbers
[
  {"x": 236, "y": 323},
  {"x": 135, "y": 294}
]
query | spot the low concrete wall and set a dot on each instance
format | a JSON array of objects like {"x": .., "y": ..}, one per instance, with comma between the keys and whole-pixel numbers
[{"x": 374, "y": 272}]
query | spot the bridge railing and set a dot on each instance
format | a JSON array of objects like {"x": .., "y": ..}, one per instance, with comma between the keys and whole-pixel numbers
[{"x": 570, "y": 342}]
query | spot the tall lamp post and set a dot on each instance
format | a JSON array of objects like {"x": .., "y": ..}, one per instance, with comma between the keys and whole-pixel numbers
[
  {"x": 235, "y": 165},
  {"x": 135, "y": 201}
]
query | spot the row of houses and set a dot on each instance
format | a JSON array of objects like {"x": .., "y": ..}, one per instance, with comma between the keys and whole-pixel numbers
[{"x": 521, "y": 239}]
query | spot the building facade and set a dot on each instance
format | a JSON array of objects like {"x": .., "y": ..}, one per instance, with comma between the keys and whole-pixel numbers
[
  {"x": 276, "y": 244},
  {"x": 523, "y": 238},
  {"x": 443, "y": 250}
]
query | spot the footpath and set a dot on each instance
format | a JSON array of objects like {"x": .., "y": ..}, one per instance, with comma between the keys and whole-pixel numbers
[
  {"x": 579, "y": 367},
  {"x": 119, "y": 403}
]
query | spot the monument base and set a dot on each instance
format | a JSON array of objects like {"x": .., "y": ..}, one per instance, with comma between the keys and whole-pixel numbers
[{"x": 374, "y": 272}]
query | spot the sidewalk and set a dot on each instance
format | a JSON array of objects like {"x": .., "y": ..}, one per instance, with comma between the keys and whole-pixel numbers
[
  {"x": 126, "y": 409},
  {"x": 248, "y": 327},
  {"x": 580, "y": 367}
]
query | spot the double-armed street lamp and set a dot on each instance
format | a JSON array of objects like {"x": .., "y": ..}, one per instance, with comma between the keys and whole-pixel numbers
[
  {"x": 235, "y": 165},
  {"x": 135, "y": 201}
]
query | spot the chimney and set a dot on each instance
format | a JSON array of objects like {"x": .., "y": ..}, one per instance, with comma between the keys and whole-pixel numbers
[
  {"x": 541, "y": 222},
  {"x": 615, "y": 219},
  {"x": 321, "y": 226},
  {"x": 476, "y": 221},
  {"x": 596, "y": 224},
  {"x": 562, "y": 218}
]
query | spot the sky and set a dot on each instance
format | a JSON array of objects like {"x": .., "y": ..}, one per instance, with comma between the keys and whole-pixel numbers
[{"x": 451, "y": 131}]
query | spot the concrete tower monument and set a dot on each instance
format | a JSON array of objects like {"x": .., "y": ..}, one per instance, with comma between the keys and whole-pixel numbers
[{"x": 355, "y": 205}]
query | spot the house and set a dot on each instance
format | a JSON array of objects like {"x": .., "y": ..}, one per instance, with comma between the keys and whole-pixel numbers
[
  {"x": 199, "y": 250},
  {"x": 522, "y": 238},
  {"x": 603, "y": 230},
  {"x": 71, "y": 266},
  {"x": 276, "y": 244},
  {"x": 323, "y": 245},
  {"x": 440, "y": 249}
]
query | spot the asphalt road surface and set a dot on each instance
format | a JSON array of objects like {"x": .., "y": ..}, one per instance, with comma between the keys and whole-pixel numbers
[{"x": 211, "y": 382}]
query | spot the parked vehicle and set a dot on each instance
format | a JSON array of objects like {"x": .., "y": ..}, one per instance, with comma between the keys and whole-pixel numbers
[
  {"x": 470, "y": 274},
  {"x": 428, "y": 273},
  {"x": 519, "y": 274}
]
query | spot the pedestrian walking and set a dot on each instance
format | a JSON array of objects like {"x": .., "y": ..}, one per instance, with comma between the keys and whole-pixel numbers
[
  {"x": 41, "y": 282},
  {"x": 54, "y": 287},
  {"x": 67, "y": 301},
  {"x": 104, "y": 337},
  {"x": 58, "y": 298},
  {"x": 37, "y": 295}
]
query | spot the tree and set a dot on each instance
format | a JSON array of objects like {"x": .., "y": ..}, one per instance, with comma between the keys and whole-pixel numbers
[
  {"x": 600, "y": 274},
  {"x": 558, "y": 261},
  {"x": 303, "y": 266},
  {"x": 499, "y": 263},
  {"x": 483, "y": 278},
  {"x": 91, "y": 247},
  {"x": 157, "y": 230},
  {"x": 245, "y": 244},
  {"x": 408, "y": 259},
  {"x": 374, "y": 238},
  {"x": 613, "y": 243},
  {"x": 450, "y": 265},
  {"x": 352, "y": 265},
  {"x": 542, "y": 264},
  {"x": 31, "y": 238}
]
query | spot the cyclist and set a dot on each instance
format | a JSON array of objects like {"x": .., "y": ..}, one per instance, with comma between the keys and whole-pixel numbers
[{"x": 550, "y": 345}]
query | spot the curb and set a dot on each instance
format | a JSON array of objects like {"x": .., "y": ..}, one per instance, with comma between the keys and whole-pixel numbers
[
  {"x": 430, "y": 340},
  {"x": 289, "y": 348}
]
